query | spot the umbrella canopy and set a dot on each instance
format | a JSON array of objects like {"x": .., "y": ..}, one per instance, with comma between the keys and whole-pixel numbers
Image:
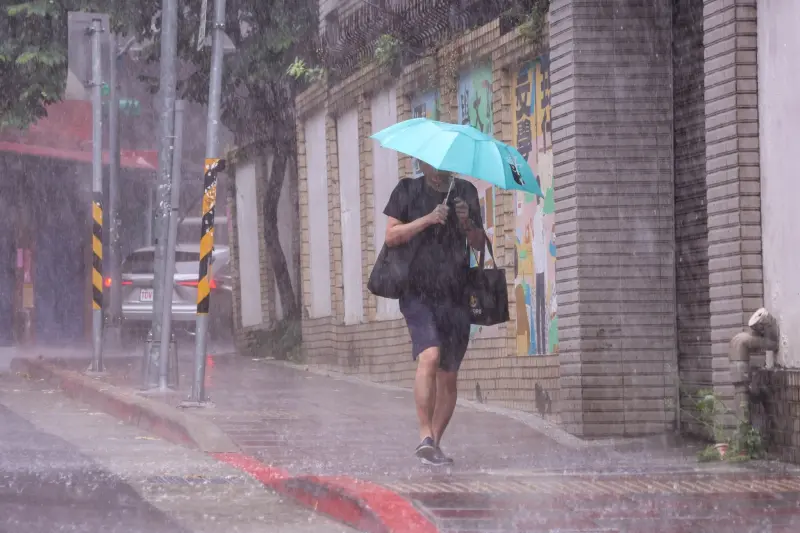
[{"x": 461, "y": 149}]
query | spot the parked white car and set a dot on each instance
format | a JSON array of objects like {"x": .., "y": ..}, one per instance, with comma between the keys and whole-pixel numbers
[{"x": 137, "y": 289}]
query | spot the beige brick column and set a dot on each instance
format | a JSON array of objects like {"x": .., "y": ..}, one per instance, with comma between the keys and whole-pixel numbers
[
  {"x": 449, "y": 60},
  {"x": 335, "y": 219},
  {"x": 367, "y": 203},
  {"x": 302, "y": 205},
  {"x": 612, "y": 149},
  {"x": 404, "y": 162},
  {"x": 732, "y": 175},
  {"x": 302, "y": 192}
]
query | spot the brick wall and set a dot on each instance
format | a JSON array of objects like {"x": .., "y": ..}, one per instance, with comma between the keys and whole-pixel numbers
[
  {"x": 380, "y": 351},
  {"x": 613, "y": 153},
  {"x": 777, "y": 414},
  {"x": 691, "y": 229},
  {"x": 732, "y": 176},
  {"x": 638, "y": 167}
]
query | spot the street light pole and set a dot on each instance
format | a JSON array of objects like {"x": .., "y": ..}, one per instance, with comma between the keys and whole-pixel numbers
[
  {"x": 169, "y": 45},
  {"x": 166, "y": 321},
  {"x": 97, "y": 200},
  {"x": 213, "y": 165}
]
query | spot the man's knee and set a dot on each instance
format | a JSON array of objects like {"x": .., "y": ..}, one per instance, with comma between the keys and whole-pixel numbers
[{"x": 429, "y": 358}]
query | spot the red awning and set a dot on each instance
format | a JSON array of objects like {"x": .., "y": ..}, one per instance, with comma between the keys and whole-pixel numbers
[
  {"x": 66, "y": 133},
  {"x": 139, "y": 160}
]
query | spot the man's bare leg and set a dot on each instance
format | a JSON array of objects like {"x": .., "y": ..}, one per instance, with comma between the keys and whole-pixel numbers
[
  {"x": 425, "y": 390},
  {"x": 446, "y": 397}
]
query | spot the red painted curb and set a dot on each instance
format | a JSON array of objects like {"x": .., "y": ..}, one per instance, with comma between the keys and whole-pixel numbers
[{"x": 363, "y": 505}]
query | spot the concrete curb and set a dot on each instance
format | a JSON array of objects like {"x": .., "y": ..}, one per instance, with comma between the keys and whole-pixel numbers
[
  {"x": 365, "y": 506},
  {"x": 149, "y": 415}
]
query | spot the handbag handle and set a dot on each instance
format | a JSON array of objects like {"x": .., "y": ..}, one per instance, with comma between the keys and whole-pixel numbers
[{"x": 481, "y": 258}]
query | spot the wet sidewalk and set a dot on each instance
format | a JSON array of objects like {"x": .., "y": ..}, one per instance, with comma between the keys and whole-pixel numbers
[
  {"x": 511, "y": 473},
  {"x": 320, "y": 424}
]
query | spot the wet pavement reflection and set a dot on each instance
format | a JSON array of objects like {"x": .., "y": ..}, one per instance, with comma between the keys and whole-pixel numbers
[{"x": 47, "y": 485}]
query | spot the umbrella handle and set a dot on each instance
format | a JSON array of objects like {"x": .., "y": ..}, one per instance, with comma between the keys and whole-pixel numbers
[{"x": 446, "y": 198}]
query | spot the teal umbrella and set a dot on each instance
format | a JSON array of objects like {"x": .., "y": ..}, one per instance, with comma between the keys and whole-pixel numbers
[{"x": 461, "y": 149}]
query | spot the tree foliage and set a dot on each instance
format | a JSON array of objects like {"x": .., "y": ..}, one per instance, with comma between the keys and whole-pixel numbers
[
  {"x": 257, "y": 92},
  {"x": 33, "y": 54},
  {"x": 33, "y": 59}
]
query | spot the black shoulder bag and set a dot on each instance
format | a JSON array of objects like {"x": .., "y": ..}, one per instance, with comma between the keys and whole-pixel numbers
[
  {"x": 486, "y": 292},
  {"x": 389, "y": 276}
]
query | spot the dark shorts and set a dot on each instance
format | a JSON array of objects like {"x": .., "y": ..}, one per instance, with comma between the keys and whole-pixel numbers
[{"x": 441, "y": 325}]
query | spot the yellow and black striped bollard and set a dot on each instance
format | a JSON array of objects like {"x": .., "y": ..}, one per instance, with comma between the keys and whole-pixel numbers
[
  {"x": 97, "y": 282},
  {"x": 97, "y": 254},
  {"x": 212, "y": 168}
]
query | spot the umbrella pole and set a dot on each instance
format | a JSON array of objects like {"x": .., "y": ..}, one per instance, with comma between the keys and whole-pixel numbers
[{"x": 449, "y": 189}]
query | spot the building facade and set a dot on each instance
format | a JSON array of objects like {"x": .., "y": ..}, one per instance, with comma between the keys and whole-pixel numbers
[{"x": 661, "y": 134}]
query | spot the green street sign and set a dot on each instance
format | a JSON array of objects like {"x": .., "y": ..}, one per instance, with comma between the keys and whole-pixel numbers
[
  {"x": 105, "y": 89},
  {"x": 130, "y": 107}
]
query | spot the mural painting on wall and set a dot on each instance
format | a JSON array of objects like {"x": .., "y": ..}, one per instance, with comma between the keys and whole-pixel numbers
[
  {"x": 424, "y": 105},
  {"x": 475, "y": 108},
  {"x": 535, "y": 289}
]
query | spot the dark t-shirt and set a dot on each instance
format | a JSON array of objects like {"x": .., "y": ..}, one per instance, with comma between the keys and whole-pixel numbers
[{"x": 440, "y": 252}]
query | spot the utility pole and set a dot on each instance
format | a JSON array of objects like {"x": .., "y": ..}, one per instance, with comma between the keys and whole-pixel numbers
[
  {"x": 97, "y": 200},
  {"x": 115, "y": 300},
  {"x": 166, "y": 321},
  {"x": 213, "y": 165},
  {"x": 169, "y": 45}
]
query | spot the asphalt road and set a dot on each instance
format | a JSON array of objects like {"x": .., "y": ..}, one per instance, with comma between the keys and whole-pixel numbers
[
  {"x": 66, "y": 468},
  {"x": 46, "y": 484}
]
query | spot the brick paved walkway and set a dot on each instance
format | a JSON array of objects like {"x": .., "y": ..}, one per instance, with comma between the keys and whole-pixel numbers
[{"x": 508, "y": 476}]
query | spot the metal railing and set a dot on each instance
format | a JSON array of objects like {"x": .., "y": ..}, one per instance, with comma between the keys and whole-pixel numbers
[{"x": 419, "y": 24}]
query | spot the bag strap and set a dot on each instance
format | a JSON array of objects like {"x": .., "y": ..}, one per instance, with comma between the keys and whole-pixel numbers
[
  {"x": 414, "y": 190},
  {"x": 481, "y": 256}
]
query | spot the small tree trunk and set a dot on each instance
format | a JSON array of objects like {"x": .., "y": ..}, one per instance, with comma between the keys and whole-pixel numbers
[{"x": 280, "y": 269}]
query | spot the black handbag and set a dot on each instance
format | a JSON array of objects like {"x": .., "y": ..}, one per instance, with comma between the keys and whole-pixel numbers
[
  {"x": 390, "y": 273},
  {"x": 389, "y": 276},
  {"x": 486, "y": 292}
]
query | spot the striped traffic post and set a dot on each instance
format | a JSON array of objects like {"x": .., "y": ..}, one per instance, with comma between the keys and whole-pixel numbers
[
  {"x": 97, "y": 254},
  {"x": 97, "y": 201},
  {"x": 97, "y": 282},
  {"x": 212, "y": 169},
  {"x": 214, "y": 165}
]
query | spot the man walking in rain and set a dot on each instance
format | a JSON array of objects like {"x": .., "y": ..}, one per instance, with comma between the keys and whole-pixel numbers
[{"x": 440, "y": 217}]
